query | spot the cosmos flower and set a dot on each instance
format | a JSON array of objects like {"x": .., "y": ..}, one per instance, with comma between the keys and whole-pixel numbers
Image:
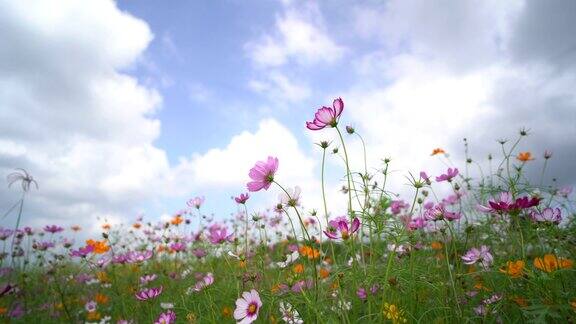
[
  {"x": 290, "y": 258},
  {"x": 481, "y": 255},
  {"x": 339, "y": 228},
  {"x": 147, "y": 278},
  {"x": 438, "y": 151},
  {"x": 196, "y": 202},
  {"x": 168, "y": 317},
  {"x": 448, "y": 176},
  {"x": 551, "y": 262},
  {"x": 220, "y": 235},
  {"x": 149, "y": 293},
  {"x": 247, "y": 307},
  {"x": 262, "y": 174},
  {"x": 513, "y": 268},
  {"x": 524, "y": 156},
  {"x": 290, "y": 197},
  {"x": 242, "y": 198},
  {"x": 53, "y": 229},
  {"x": 327, "y": 116},
  {"x": 82, "y": 252},
  {"x": 547, "y": 215},
  {"x": 289, "y": 314}
]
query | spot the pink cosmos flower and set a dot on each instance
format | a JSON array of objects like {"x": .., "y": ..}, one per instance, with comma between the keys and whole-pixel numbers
[
  {"x": 242, "y": 198},
  {"x": 450, "y": 173},
  {"x": 150, "y": 293},
  {"x": 178, "y": 247},
  {"x": 548, "y": 215},
  {"x": 166, "y": 318},
  {"x": 396, "y": 206},
  {"x": 219, "y": 235},
  {"x": 439, "y": 212},
  {"x": 82, "y": 252},
  {"x": 53, "y": 229},
  {"x": 505, "y": 204},
  {"x": 206, "y": 281},
  {"x": 262, "y": 174},
  {"x": 565, "y": 191},
  {"x": 247, "y": 307},
  {"x": 196, "y": 202},
  {"x": 339, "y": 229},
  {"x": 481, "y": 255},
  {"x": 327, "y": 116},
  {"x": 417, "y": 223},
  {"x": 147, "y": 278}
]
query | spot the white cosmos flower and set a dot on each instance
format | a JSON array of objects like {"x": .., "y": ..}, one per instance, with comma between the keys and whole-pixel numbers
[{"x": 289, "y": 314}]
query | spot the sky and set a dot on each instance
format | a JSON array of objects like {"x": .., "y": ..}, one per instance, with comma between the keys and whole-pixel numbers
[{"x": 122, "y": 108}]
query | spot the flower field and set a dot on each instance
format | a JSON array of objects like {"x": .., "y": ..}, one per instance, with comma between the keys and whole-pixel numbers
[{"x": 477, "y": 243}]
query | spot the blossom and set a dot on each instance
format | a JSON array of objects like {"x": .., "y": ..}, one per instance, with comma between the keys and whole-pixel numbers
[
  {"x": 289, "y": 259},
  {"x": 166, "y": 318},
  {"x": 53, "y": 229},
  {"x": 481, "y": 255},
  {"x": 513, "y": 268},
  {"x": 339, "y": 229},
  {"x": 550, "y": 263},
  {"x": 178, "y": 247},
  {"x": 548, "y": 215},
  {"x": 242, "y": 198},
  {"x": 149, "y": 293},
  {"x": 439, "y": 212},
  {"x": 524, "y": 156},
  {"x": 99, "y": 247},
  {"x": 262, "y": 174},
  {"x": 309, "y": 252},
  {"x": 505, "y": 204},
  {"x": 327, "y": 116},
  {"x": 290, "y": 197},
  {"x": 289, "y": 314},
  {"x": 438, "y": 151},
  {"x": 394, "y": 313},
  {"x": 417, "y": 223},
  {"x": 206, "y": 281},
  {"x": 247, "y": 307},
  {"x": 195, "y": 202},
  {"x": 397, "y": 205},
  {"x": 5, "y": 233},
  {"x": 219, "y": 235},
  {"x": 90, "y": 306},
  {"x": 450, "y": 173},
  {"x": 82, "y": 252},
  {"x": 565, "y": 191}
]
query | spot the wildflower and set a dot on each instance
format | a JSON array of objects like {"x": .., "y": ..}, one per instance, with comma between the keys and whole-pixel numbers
[
  {"x": 481, "y": 255},
  {"x": 262, "y": 174},
  {"x": 290, "y": 197},
  {"x": 53, "y": 229},
  {"x": 76, "y": 228},
  {"x": 513, "y": 268},
  {"x": 361, "y": 293},
  {"x": 327, "y": 116},
  {"x": 220, "y": 235},
  {"x": 106, "y": 227},
  {"x": 149, "y": 293},
  {"x": 101, "y": 299},
  {"x": 242, "y": 198},
  {"x": 436, "y": 245},
  {"x": 439, "y": 212},
  {"x": 93, "y": 316},
  {"x": 99, "y": 247},
  {"x": 524, "y": 156},
  {"x": 147, "y": 278},
  {"x": 396, "y": 206},
  {"x": 548, "y": 215},
  {"x": 520, "y": 301},
  {"x": 289, "y": 259},
  {"x": 298, "y": 268},
  {"x": 166, "y": 318},
  {"x": 90, "y": 306},
  {"x": 196, "y": 202},
  {"x": 309, "y": 252},
  {"x": 425, "y": 177},
  {"x": 547, "y": 154},
  {"x": 5, "y": 233},
  {"x": 393, "y": 313},
  {"x": 417, "y": 223},
  {"x": 289, "y": 314},
  {"x": 339, "y": 229},
  {"x": 206, "y": 281},
  {"x": 247, "y": 307},
  {"x": 438, "y": 151},
  {"x": 448, "y": 176},
  {"x": 166, "y": 305},
  {"x": 550, "y": 263},
  {"x": 227, "y": 311},
  {"x": 342, "y": 305},
  {"x": 565, "y": 191},
  {"x": 82, "y": 252},
  {"x": 324, "y": 273},
  {"x": 176, "y": 220},
  {"x": 178, "y": 247}
]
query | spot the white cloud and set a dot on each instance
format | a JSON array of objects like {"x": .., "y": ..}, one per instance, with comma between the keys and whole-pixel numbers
[
  {"x": 299, "y": 37},
  {"x": 277, "y": 86}
]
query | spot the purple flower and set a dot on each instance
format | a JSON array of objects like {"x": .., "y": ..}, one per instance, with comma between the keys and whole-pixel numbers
[
  {"x": 417, "y": 223},
  {"x": 262, "y": 174},
  {"x": 339, "y": 228},
  {"x": 242, "y": 198},
  {"x": 137, "y": 257},
  {"x": 425, "y": 177},
  {"x": 166, "y": 318},
  {"x": 5, "y": 233},
  {"x": 149, "y": 293},
  {"x": 548, "y": 215},
  {"x": 247, "y": 307},
  {"x": 53, "y": 229},
  {"x": 482, "y": 255},
  {"x": 147, "y": 278},
  {"x": 450, "y": 173},
  {"x": 82, "y": 252},
  {"x": 361, "y": 293},
  {"x": 178, "y": 247},
  {"x": 327, "y": 116},
  {"x": 219, "y": 235},
  {"x": 565, "y": 191},
  {"x": 396, "y": 206},
  {"x": 195, "y": 202},
  {"x": 206, "y": 281},
  {"x": 439, "y": 212}
]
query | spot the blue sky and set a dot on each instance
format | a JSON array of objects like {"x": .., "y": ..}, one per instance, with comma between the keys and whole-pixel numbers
[{"x": 124, "y": 107}]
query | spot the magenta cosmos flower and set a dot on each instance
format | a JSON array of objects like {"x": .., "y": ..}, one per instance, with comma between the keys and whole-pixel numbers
[
  {"x": 150, "y": 293},
  {"x": 450, "y": 173},
  {"x": 166, "y": 318},
  {"x": 242, "y": 198},
  {"x": 220, "y": 235},
  {"x": 548, "y": 215},
  {"x": 196, "y": 202},
  {"x": 53, "y": 229},
  {"x": 262, "y": 174},
  {"x": 247, "y": 307},
  {"x": 327, "y": 116},
  {"x": 339, "y": 229}
]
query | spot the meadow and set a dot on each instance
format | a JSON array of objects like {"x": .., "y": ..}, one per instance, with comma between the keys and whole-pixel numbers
[{"x": 494, "y": 249}]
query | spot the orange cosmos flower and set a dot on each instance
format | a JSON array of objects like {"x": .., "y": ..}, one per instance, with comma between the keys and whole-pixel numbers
[
  {"x": 436, "y": 245},
  {"x": 438, "y": 151},
  {"x": 298, "y": 268},
  {"x": 549, "y": 263},
  {"x": 513, "y": 268},
  {"x": 106, "y": 227},
  {"x": 525, "y": 156},
  {"x": 226, "y": 311},
  {"x": 93, "y": 316},
  {"x": 76, "y": 228},
  {"x": 324, "y": 273},
  {"x": 136, "y": 225},
  {"x": 520, "y": 301},
  {"x": 99, "y": 246},
  {"x": 177, "y": 220},
  {"x": 3, "y": 310},
  {"x": 309, "y": 252},
  {"x": 101, "y": 299},
  {"x": 102, "y": 276}
]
